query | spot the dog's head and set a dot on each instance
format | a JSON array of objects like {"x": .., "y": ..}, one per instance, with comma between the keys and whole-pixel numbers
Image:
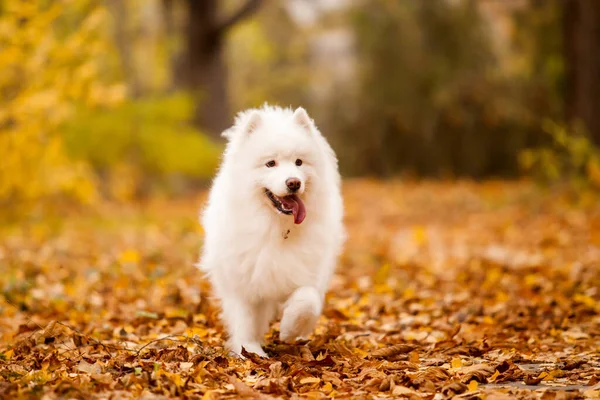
[{"x": 276, "y": 154}]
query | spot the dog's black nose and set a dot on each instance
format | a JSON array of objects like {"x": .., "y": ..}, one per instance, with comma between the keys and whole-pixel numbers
[{"x": 293, "y": 184}]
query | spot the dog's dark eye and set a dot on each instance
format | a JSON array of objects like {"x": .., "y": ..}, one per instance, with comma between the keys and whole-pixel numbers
[
  {"x": 298, "y": 162},
  {"x": 271, "y": 164}
]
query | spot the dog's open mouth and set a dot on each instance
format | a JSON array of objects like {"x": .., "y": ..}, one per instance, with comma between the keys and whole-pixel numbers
[{"x": 289, "y": 205}]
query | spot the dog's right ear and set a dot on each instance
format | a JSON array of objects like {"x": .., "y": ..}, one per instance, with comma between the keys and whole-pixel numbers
[
  {"x": 301, "y": 118},
  {"x": 244, "y": 125}
]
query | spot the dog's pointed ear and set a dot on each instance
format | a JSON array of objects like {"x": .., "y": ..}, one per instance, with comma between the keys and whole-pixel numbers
[
  {"x": 301, "y": 118},
  {"x": 244, "y": 125},
  {"x": 254, "y": 122}
]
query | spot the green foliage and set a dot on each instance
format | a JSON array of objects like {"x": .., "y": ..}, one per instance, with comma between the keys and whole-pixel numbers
[
  {"x": 570, "y": 157},
  {"x": 142, "y": 141}
]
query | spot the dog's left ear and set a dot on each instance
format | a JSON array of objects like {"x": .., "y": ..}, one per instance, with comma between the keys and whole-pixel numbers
[
  {"x": 301, "y": 118},
  {"x": 254, "y": 121}
]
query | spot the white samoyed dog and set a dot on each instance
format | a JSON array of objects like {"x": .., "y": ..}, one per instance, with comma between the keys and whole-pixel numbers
[{"x": 273, "y": 226}]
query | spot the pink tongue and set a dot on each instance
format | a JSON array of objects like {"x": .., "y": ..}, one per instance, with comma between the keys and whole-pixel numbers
[{"x": 292, "y": 201}]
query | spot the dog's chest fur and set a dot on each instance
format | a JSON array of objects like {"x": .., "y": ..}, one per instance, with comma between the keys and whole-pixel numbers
[{"x": 272, "y": 266}]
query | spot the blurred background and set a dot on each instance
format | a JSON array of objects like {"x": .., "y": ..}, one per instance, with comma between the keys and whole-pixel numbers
[{"x": 125, "y": 99}]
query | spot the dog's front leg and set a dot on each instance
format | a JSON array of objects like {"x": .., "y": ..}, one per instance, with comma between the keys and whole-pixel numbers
[
  {"x": 241, "y": 318},
  {"x": 300, "y": 313}
]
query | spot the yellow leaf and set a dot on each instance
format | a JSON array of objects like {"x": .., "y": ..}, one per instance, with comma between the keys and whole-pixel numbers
[
  {"x": 531, "y": 280},
  {"x": 493, "y": 377},
  {"x": 327, "y": 387},
  {"x": 414, "y": 357},
  {"x": 175, "y": 312},
  {"x": 196, "y": 331},
  {"x": 173, "y": 377},
  {"x": 456, "y": 363},
  {"x": 360, "y": 352},
  {"x": 177, "y": 380},
  {"x": 211, "y": 395},
  {"x": 8, "y": 354},
  {"x": 384, "y": 288},
  {"x": 129, "y": 256},
  {"x": 409, "y": 293},
  {"x": 419, "y": 234},
  {"x": 473, "y": 385},
  {"x": 557, "y": 373},
  {"x": 381, "y": 275},
  {"x": 584, "y": 299},
  {"x": 502, "y": 297}
]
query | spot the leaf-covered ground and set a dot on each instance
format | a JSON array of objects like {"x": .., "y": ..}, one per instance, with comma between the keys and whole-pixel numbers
[{"x": 471, "y": 290}]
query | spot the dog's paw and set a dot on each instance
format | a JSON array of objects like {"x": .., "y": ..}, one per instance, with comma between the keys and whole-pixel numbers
[
  {"x": 298, "y": 327},
  {"x": 300, "y": 315},
  {"x": 236, "y": 351}
]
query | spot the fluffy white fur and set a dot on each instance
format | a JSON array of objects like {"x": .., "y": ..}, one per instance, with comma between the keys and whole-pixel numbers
[{"x": 257, "y": 259}]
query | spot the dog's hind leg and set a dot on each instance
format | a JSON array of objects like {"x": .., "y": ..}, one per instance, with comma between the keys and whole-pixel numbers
[{"x": 300, "y": 313}]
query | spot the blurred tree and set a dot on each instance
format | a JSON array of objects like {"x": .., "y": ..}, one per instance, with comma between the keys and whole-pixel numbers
[
  {"x": 582, "y": 56},
  {"x": 271, "y": 59},
  {"x": 204, "y": 69},
  {"x": 424, "y": 98},
  {"x": 462, "y": 87}
]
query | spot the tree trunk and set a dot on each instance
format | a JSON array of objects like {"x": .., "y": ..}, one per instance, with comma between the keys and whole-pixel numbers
[
  {"x": 118, "y": 9},
  {"x": 205, "y": 71},
  {"x": 582, "y": 60},
  {"x": 204, "y": 74},
  {"x": 171, "y": 31}
]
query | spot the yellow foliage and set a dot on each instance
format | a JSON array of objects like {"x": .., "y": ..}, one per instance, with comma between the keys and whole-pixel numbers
[{"x": 48, "y": 66}]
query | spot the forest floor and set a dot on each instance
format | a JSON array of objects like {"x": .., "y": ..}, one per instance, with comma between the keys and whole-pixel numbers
[{"x": 487, "y": 290}]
